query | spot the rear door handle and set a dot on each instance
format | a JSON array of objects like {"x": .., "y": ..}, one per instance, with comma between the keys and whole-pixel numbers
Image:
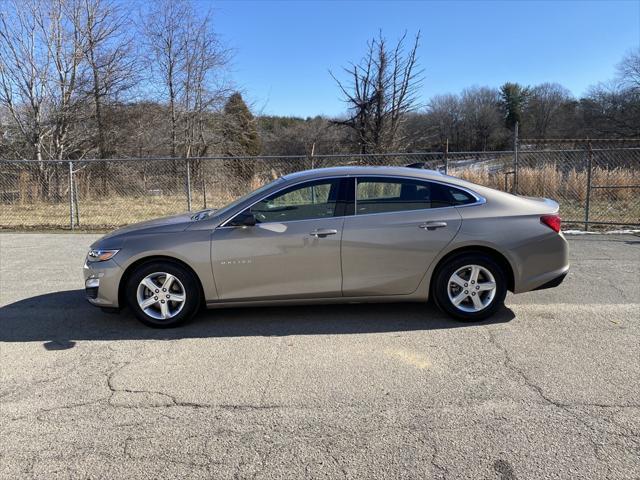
[
  {"x": 323, "y": 232},
  {"x": 433, "y": 225}
]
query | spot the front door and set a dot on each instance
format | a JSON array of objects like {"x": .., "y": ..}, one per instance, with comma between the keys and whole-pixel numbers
[
  {"x": 399, "y": 227},
  {"x": 292, "y": 252}
]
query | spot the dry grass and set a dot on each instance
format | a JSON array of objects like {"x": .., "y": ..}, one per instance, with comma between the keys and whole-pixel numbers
[
  {"x": 568, "y": 187},
  {"x": 549, "y": 181},
  {"x": 95, "y": 214}
]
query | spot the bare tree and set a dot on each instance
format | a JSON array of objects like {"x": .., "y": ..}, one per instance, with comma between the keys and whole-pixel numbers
[
  {"x": 482, "y": 117},
  {"x": 65, "y": 44},
  {"x": 609, "y": 110},
  {"x": 24, "y": 74},
  {"x": 189, "y": 59},
  {"x": 298, "y": 136},
  {"x": 203, "y": 88},
  {"x": 40, "y": 74},
  {"x": 628, "y": 70},
  {"x": 445, "y": 113},
  {"x": 546, "y": 106},
  {"x": 382, "y": 90},
  {"x": 165, "y": 29},
  {"x": 106, "y": 29}
]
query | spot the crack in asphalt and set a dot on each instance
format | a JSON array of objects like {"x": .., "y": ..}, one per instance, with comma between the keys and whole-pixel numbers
[
  {"x": 565, "y": 407},
  {"x": 444, "y": 471},
  {"x": 174, "y": 401},
  {"x": 172, "y": 398}
]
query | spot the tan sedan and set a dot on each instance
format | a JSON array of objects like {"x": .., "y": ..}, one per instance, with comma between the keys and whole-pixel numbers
[{"x": 348, "y": 234}]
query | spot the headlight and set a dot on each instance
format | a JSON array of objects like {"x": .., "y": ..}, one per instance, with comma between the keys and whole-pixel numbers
[{"x": 98, "y": 255}]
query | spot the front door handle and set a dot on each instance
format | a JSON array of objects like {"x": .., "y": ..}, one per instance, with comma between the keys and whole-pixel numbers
[
  {"x": 323, "y": 232},
  {"x": 433, "y": 225}
]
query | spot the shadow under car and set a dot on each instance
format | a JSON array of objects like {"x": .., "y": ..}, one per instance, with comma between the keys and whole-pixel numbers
[{"x": 60, "y": 318}]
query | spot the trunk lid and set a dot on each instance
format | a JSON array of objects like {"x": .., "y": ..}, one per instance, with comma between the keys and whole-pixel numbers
[{"x": 546, "y": 205}]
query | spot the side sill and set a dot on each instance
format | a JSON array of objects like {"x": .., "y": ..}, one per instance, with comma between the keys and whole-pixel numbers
[{"x": 317, "y": 301}]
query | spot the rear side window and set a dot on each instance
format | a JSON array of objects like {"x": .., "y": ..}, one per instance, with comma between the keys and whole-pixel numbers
[
  {"x": 460, "y": 197},
  {"x": 381, "y": 195}
]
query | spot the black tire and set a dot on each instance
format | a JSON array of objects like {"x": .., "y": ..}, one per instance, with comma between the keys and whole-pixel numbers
[
  {"x": 189, "y": 284},
  {"x": 440, "y": 286}
]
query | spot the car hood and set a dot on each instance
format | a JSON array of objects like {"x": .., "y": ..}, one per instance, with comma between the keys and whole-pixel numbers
[{"x": 173, "y": 223}]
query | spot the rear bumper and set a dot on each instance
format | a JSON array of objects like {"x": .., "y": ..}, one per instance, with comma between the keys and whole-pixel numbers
[
  {"x": 541, "y": 262},
  {"x": 553, "y": 283}
]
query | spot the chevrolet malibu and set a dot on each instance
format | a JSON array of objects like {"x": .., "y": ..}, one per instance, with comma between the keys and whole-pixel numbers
[{"x": 348, "y": 234}]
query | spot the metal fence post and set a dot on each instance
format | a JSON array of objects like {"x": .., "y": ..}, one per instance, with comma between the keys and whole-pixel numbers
[
  {"x": 446, "y": 157},
  {"x": 76, "y": 202},
  {"x": 71, "y": 195},
  {"x": 588, "y": 193},
  {"x": 515, "y": 159},
  {"x": 188, "y": 162},
  {"x": 204, "y": 189},
  {"x": 313, "y": 151}
]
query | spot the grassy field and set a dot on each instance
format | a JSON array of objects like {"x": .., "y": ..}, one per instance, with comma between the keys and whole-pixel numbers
[
  {"x": 549, "y": 181},
  {"x": 568, "y": 187},
  {"x": 95, "y": 214}
]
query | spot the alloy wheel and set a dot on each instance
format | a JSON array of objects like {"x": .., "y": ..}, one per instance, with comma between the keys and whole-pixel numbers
[
  {"x": 161, "y": 295},
  {"x": 471, "y": 288}
]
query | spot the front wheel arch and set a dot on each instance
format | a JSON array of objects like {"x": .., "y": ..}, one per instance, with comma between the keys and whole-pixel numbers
[{"x": 122, "y": 297}]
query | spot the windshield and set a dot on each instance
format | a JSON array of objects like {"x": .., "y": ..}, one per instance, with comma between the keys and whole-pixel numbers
[{"x": 238, "y": 201}]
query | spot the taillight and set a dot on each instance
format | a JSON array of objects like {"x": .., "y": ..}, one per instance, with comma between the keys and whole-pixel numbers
[{"x": 552, "y": 221}]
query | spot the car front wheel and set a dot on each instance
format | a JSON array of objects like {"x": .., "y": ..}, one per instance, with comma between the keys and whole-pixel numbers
[
  {"x": 470, "y": 287},
  {"x": 163, "y": 294}
]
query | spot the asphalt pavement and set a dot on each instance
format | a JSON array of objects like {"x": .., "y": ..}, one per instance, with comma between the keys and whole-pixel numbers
[{"x": 549, "y": 388}]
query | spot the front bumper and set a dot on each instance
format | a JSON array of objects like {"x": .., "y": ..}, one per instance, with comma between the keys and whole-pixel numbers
[{"x": 101, "y": 281}]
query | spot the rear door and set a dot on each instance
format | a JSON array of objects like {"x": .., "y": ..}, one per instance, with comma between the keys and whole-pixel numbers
[
  {"x": 399, "y": 226},
  {"x": 292, "y": 252}
]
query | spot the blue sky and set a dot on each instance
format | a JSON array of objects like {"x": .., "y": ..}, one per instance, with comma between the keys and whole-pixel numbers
[{"x": 283, "y": 50}]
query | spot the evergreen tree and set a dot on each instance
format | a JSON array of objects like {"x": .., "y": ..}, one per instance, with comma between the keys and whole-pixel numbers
[
  {"x": 240, "y": 138},
  {"x": 513, "y": 98},
  {"x": 239, "y": 129}
]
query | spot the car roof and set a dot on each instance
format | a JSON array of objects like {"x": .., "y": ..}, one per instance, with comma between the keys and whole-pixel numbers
[{"x": 360, "y": 170}]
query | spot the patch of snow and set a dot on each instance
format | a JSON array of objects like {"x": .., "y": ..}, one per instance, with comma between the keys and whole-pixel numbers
[{"x": 609, "y": 232}]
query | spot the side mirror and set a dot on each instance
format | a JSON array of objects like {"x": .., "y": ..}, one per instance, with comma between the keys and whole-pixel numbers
[{"x": 249, "y": 220}]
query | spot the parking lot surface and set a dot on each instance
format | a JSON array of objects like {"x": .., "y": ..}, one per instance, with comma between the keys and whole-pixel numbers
[{"x": 549, "y": 388}]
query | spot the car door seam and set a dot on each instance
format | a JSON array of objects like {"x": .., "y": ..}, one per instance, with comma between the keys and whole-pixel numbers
[
  {"x": 340, "y": 257},
  {"x": 438, "y": 256}
]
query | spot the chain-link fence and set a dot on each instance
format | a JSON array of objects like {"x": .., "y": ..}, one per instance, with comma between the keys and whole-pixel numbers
[
  {"x": 596, "y": 181},
  {"x": 595, "y": 185}
]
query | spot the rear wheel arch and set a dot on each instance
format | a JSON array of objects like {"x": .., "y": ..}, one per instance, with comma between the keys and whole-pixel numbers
[
  {"x": 498, "y": 257},
  {"x": 122, "y": 297}
]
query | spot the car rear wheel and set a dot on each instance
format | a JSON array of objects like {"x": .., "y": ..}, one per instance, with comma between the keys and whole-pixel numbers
[
  {"x": 163, "y": 294},
  {"x": 470, "y": 287}
]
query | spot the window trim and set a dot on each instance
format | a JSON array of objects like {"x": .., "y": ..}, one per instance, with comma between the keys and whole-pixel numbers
[{"x": 480, "y": 200}]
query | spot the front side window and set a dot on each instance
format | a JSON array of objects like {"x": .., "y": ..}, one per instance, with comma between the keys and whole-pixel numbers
[
  {"x": 238, "y": 201},
  {"x": 317, "y": 199},
  {"x": 381, "y": 195}
]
